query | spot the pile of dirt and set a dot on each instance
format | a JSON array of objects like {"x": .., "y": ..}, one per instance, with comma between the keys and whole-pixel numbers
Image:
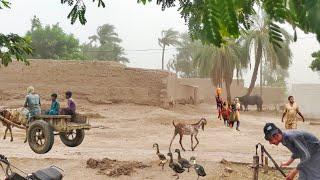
[
  {"x": 115, "y": 168},
  {"x": 233, "y": 171},
  {"x": 94, "y": 115}
]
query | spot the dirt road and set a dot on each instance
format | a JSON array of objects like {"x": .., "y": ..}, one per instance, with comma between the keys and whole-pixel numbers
[{"x": 127, "y": 132}]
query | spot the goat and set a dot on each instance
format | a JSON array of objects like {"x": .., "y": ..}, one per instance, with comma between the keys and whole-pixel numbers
[
  {"x": 17, "y": 116},
  {"x": 188, "y": 129}
]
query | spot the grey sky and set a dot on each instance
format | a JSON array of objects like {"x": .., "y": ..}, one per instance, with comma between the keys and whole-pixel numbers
[{"x": 139, "y": 27}]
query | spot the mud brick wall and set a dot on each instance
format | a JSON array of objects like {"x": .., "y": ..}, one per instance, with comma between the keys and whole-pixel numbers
[{"x": 93, "y": 81}]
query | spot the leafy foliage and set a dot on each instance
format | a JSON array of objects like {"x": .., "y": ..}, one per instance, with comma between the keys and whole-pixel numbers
[
  {"x": 79, "y": 10},
  {"x": 269, "y": 42},
  {"x": 51, "y": 42},
  {"x": 4, "y": 4},
  {"x": 212, "y": 21},
  {"x": 104, "y": 45},
  {"x": 183, "y": 62},
  {"x": 197, "y": 60},
  {"x": 315, "y": 65},
  {"x": 168, "y": 37},
  {"x": 221, "y": 63},
  {"x": 13, "y": 44}
]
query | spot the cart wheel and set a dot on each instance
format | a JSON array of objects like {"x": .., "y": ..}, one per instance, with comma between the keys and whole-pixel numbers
[
  {"x": 72, "y": 138},
  {"x": 40, "y": 136}
]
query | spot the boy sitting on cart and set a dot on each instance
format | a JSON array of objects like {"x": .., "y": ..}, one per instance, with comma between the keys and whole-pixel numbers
[
  {"x": 71, "y": 106},
  {"x": 55, "y": 106}
]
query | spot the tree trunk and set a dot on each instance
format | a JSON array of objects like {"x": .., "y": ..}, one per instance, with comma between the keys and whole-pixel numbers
[
  {"x": 164, "y": 47},
  {"x": 256, "y": 67},
  {"x": 228, "y": 92},
  {"x": 261, "y": 80}
]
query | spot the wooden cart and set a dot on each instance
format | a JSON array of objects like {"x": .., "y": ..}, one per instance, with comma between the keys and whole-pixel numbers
[{"x": 41, "y": 131}]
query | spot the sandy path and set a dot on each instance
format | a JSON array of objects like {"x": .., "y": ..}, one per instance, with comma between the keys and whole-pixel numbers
[{"x": 129, "y": 132}]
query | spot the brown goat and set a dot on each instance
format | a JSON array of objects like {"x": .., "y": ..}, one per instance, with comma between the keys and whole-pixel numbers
[{"x": 188, "y": 129}]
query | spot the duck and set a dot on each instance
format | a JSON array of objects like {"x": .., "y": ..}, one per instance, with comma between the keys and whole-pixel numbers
[
  {"x": 198, "y": 168},
  {"x": 175, "y": 166},
  {"x": 183, "y": 162},
  {"x": 162, "y": 158}
]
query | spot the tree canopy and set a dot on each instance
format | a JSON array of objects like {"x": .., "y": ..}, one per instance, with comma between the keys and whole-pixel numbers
[
  {"x": 211, "y": 21},
  {"x": 51, "y": 42},
  {"x": 263, "y": 39},
  {"x": 13, "y": 44},
  {"x": 104, "y": 45},
  {"x": 315, "y": 65},
  {"x": 183, "y": 62}
]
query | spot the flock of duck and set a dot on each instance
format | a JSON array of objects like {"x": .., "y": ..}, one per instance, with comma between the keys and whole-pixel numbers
[{"x": 182, "y": 164}]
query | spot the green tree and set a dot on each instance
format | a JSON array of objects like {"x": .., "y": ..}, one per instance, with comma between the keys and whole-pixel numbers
[
  {"x": 265, "y": 39},
  {"x": 211, "y": 21},
  {"x": 105, "y": 45},
  {"x": 182, "y": 62},
  {"x": 315, "y": 65},
  {"x": 51, "y": 42},
  {"x": 168, "y": 38},
  {"x": 221, "y": 63},
  {"x": 13, "y": 44}
]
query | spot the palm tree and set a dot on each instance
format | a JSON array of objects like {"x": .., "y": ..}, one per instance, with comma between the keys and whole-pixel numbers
[
  {"x": 168, "y": 38},
  {"x": 105, "y": 45},
  {"x": 268, "y": 41},
  {"x": 106, "y": 34},
  {"x": 221, "y": 63},
  {"x": 182, "y": 62}
]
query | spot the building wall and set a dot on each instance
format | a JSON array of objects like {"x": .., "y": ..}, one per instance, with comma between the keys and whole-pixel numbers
[
  {"x": 271, "y": 95},
  {"x": 101, "y": 82},
  {"x": 94, "y": 81},
  {"x": 308, "y": 97}
]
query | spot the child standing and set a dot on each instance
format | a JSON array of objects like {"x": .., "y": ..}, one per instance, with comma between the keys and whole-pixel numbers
[
  {"x": 226, "y": 111},
  {"x": 235, "y": 113}
]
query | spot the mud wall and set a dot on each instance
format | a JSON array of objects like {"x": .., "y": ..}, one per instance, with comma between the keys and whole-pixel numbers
[
  {"x": 105, "y": 82},
  {"x": 207, "y": 90},
  {"x": 93, "y": 81},
  {"x": 178, "y": 93},
  {"x": 270, "y": 95}
]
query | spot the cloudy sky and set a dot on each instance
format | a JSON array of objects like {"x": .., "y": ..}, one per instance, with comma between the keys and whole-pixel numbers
[{"x": 139, "y": 27}]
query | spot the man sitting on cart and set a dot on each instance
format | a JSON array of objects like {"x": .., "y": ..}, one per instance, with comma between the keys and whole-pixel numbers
[{"x": 32, "y": 103}]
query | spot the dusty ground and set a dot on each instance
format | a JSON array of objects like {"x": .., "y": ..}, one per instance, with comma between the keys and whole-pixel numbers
[{"x": 126, "y": 132}]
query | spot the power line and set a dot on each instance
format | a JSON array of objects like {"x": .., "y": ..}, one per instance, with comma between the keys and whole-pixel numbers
[
  {"x": 169, "y": 49},
  {"x": 129, "y": 50}
]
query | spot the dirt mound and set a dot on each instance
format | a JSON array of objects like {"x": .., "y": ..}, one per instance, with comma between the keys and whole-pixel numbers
[
  {"x": 234, "y": 170},
  {"x": 94, "y": 115},
  {"x": 115, "y": 168}
]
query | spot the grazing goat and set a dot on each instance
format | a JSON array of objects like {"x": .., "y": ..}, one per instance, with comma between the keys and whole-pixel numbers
[
  {"x": 17, "y": 116},
  {"x": 188, "y": 129}
]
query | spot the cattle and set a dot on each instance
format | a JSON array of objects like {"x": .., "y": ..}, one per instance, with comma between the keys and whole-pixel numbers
[
  {"x": 17, "y": 116},
  {"x": 251, "y": 100}
]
